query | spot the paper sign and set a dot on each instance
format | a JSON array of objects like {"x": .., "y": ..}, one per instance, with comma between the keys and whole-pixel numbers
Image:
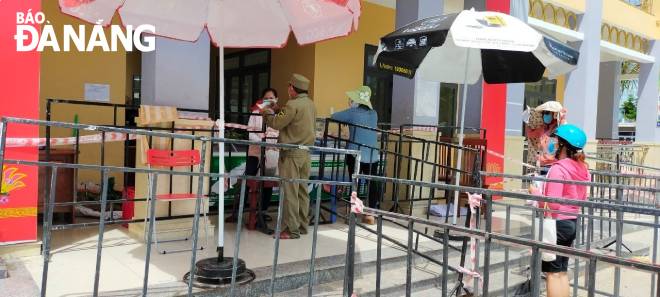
[
  {"x": 426, "y": 98},
  {"x": 493, "y": 30},
  {"x": 97, "y": 92}
]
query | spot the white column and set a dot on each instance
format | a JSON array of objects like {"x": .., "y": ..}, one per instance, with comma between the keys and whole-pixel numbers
[
  {"x": 515, "y": 93},
  {"x": 177, "y": 73},
  {"x": 581, "y": 95},
  {"x": 415, "y": 101},
  {"x": 609, "y": 94},
  {"x": 647, "y": 129}
]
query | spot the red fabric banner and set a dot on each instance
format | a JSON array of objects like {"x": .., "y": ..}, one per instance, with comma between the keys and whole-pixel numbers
[{"x": 19, "y": 97}]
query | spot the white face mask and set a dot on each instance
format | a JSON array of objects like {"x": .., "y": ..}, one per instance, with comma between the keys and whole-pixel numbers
[{"x": 354, "y": 105}]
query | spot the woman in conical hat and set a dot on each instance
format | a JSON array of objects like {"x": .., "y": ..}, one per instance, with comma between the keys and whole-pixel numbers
[{"x": 540, "y": 127}]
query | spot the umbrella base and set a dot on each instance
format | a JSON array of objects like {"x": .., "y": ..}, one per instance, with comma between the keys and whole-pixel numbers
[{"x": 213, "y": 273}]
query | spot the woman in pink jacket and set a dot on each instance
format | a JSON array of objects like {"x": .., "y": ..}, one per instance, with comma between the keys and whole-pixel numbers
[{"x": 570, "y": 167}]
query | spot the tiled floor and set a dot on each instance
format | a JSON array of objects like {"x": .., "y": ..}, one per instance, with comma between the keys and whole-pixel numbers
[{"x": 71, "y": 270}]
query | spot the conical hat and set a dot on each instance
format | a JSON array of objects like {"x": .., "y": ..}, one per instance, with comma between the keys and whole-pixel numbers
[{"x": 551, "y": 106}]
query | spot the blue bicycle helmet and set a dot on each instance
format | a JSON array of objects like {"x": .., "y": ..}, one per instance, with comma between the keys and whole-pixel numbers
[{"x": 573, "y": 135}]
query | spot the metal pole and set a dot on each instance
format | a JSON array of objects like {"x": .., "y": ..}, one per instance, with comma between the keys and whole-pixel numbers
[
  {"x": 47, "y": 149},
  {"x": 151, "y": 204},
  {"x": 507, "y": 230},
  {"x": 619, "y": 239},
  {"x": 475, "y": 281},
  {"x": 461, "y": 135},
  {"x": 409, "y": 260},
  {"x": 237, "y": 243},
  {"x": 591, "y": 288},
  {"x": 445, "y": 261},
  {"x": 99, "y": 245},
  {"x": 379, "y": 244},
  {"x": 350, "y": 257},
  {"x": 46, "y": 227},
  {"x": 536, "y": 271},
  {"x": 221, "y": 153},
  {"x": 654, "y": 257},
  {"x": 276, "y": 248},
  {"x": 487, "y": 241},
  {"x": 317, "y": 213},
  {"x": 397, "y": 170},
  {"x": 576, "y": 276},
  {"x": 195, "y": 231}
]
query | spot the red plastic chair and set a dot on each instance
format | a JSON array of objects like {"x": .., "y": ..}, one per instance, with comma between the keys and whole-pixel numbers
[
  {"x": 167, "y": 158},
  {"x": 172, "y": 159}
]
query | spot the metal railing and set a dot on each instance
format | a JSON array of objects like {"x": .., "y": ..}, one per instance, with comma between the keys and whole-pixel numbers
[
  {"x": 153, "y": 174},
  {"x": 583, "y": 251},
  {"x": 609, "y": 188},
  {"x": 406, "y": 156},
  {"x": 129, "y": 145},
  {"x": 489, "y": 234}
]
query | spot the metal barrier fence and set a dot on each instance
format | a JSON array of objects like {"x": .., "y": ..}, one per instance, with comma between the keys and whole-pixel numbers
[
  {"x": 121, "y": 113},
  {"x": 602, "y": 227},
  {"x": 406, "y": 156},
  {"x": 487, "y": 235},
  {"x": 153, "y": 174},
  {"x": 583, "y": 251},
  {"x": 620, "y": 153}
]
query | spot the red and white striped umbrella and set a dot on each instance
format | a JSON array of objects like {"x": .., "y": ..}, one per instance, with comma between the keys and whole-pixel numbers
[{"x": 231, "y": 23}]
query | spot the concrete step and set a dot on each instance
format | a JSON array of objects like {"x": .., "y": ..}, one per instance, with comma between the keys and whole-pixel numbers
[
  {"x": 293, "y": 276},
  {"x": 426, "y": 279}
]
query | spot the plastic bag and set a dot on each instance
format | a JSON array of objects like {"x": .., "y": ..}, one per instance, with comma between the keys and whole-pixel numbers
[
  {"x": 549, "y": 236},
  {"x": 526, "y": 114},
  {"x": 272, "y": 158}
]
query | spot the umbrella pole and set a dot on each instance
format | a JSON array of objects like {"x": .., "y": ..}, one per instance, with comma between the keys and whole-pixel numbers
[
  {"x": 221, "y": 270},
  {"x": 460, "y": 137},
  {"x": 221, "y": 154}
]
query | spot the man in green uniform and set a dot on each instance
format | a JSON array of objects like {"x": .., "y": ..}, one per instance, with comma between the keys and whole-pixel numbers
[{"x": 296, "y": 121}]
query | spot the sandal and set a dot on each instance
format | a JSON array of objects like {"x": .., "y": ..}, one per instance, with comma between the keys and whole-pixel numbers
[{"x": 286, "y": 235}]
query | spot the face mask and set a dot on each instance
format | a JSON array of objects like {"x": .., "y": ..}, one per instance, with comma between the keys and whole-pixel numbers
[
  {"x": 552, "y": 146},
  {"x": 547, "y": 118},
  {"x": 355, "y": 105}
]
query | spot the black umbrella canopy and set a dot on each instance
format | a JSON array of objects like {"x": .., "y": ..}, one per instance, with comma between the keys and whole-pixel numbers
[{"x": 403, "y": 51}]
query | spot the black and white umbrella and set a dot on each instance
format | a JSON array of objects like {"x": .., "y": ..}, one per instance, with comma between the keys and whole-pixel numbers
[{"x": 461, "y": 48}]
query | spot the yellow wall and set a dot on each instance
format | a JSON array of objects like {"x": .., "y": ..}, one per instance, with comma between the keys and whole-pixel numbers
[
  {"x": 339, "y": 62},
  {"x": 63, "y": 76},
  {"x": 291, "y": 59},
  {"x": 513, "y": 150},
  {"x": 574, "y": 5},
  {"x": 561, "y": 88},
  {"x": 653, "y": 155},
  {"x": 620, "y": 14}
]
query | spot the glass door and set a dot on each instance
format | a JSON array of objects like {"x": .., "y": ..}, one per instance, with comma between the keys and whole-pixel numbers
[{"x": 380, "y": 83}]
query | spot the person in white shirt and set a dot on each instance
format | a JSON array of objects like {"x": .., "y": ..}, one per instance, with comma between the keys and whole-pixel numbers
[{"x": 257, "y": 131}]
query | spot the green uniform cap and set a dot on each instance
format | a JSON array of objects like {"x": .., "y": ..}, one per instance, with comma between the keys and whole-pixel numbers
[
  {"x": 361, "y": 95},
  {"x": 299, "y": 82}
]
